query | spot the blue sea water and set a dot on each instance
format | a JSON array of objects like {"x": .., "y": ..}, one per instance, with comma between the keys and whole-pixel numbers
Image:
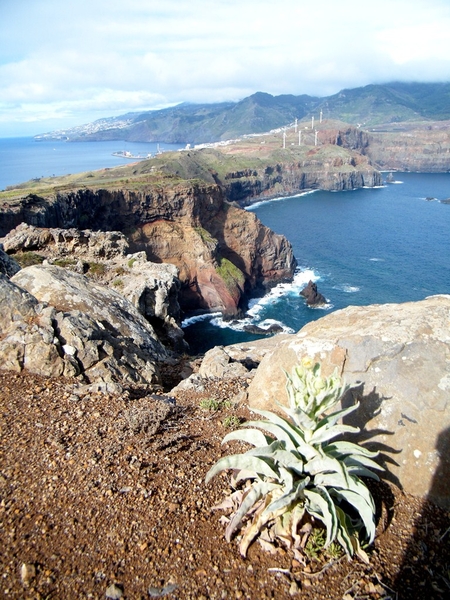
[
  {"x": 22, "y": 159},
  {"x": 367, "y": 246}
]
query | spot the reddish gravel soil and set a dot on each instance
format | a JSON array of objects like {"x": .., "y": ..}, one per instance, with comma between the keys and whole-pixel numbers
[{"x": 103, "y": 496}]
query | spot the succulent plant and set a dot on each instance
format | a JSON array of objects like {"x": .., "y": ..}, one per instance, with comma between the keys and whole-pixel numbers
[{"x": 298, "y": 476}]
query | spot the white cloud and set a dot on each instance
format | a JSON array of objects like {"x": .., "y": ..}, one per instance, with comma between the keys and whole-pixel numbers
[{"x": 73, "y": 59}]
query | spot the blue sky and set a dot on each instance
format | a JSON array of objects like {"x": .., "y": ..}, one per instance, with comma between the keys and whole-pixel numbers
[{"x": 65, "y": 63}]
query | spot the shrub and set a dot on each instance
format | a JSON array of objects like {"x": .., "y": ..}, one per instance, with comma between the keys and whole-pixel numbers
[
  {"x": 298, "y": 477},
  {"x": 231, "y": 421},
  {"x": 27, "y": 259},
  {"x": 97, "y": 269},
  {"x": 64, "y": 262}
]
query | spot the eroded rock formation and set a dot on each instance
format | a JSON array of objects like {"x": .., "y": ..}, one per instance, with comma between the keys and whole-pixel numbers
[
  {"x": 152, "y": 288},
  {"x": 55, "y": 322}
]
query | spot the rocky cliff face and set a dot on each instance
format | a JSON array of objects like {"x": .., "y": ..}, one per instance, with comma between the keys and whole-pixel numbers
[
  {"x": 223, "y": 253},
  {"x": 328, "y": 167},
  {"x": 424, "y": 148}
]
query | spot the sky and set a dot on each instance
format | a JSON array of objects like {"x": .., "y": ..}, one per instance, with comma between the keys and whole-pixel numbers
[{"x": 69, "y": 62}]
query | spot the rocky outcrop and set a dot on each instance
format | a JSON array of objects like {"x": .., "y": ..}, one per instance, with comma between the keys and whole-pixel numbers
[
  {"x": 325, "y": 167},
  {"x": 312, "y": 295},
  {"x": 398, "y": 358},
  {"x": 63, "y": 243},
  {"x": 152, "y": 288},
  {"x": 8, "y": 266},
  {"x": 222, "y": 252},
  {"x": 230, "y": 362},
  {"x": 55, "y": 322}
]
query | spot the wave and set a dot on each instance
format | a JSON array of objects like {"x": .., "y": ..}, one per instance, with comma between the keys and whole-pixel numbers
[
  {"x": 197, "y": 318},
  {"x": 277, "y": 199},
  {"x": 376, "y": 259},
  {"x": 347, "y": 288},
  {"x": 257, "y": 306}
]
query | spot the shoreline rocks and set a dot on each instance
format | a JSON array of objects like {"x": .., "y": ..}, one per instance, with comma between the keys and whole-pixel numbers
[{"x": 312, "y": 295}]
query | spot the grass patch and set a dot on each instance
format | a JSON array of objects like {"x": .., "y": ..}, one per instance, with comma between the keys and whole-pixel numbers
[
  {"x": 27, "y": 259},
  {"x": 207, "y": 238},
  {"x": 231, "y": 422},
  {"x": 231, "y": 275},
  {"x": 64, "y": 262},
  {"x": 97, "y": 269},
  {"x": 213, "y": 405}
]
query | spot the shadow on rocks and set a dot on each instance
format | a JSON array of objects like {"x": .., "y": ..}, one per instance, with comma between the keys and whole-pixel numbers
[
  {"x": 369, "y": 408},
  {"x": 425, "y": 570}
]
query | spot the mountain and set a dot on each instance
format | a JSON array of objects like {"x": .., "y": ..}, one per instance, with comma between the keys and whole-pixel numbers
[{"x": 371, "y": 106}]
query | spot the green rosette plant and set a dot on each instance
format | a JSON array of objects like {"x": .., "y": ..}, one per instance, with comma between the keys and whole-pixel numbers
[{"x": 297, "y": 475}]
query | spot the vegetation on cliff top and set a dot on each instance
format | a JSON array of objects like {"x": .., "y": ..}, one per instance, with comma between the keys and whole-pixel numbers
[{"x": 254, "y": 156}]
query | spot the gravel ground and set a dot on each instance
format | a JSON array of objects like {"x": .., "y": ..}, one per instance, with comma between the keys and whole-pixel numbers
[{"x": 103, "y": 496}]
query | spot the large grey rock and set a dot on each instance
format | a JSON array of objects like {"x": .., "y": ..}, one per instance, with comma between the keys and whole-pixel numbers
[
  {"x": 27, "y": 337},
  {"x": 75, "y": 328},
  {"x": 153, "y": 288},
  {"x": 8, "y": 266},
  {"x": 68, "y": 291},
  {"x": 398, "y": 357}
]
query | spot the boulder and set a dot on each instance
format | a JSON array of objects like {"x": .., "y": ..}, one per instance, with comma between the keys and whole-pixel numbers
[
  {"x": 8, "y": 266},
  {"x": 312, "y": 295},
  {"x": 397, "y": 357},
  {"x": 27, "y": 337},
  {"x": 256, "y": 330},
  {"x": 230, "y": 362},
  {"x": 57, "y": 322},
  {"x": 154, "y": 290},
  {"x": 68, "y": 291}
]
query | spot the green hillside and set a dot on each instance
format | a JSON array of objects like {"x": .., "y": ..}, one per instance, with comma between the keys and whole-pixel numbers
[{"x": 371, "y": 106}]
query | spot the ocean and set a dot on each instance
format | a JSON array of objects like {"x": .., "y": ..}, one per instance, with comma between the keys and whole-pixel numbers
[
  {"x": 367, "y": 246},
  {"x": 22, "y": 159}
]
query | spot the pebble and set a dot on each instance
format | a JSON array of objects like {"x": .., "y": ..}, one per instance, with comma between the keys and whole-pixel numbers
[
  {"x": 27, "y": 573},
  {"x": 114, "y": 592}
]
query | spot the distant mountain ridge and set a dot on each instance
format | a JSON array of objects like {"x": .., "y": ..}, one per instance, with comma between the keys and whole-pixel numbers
[{"x": 368, "y": 106}]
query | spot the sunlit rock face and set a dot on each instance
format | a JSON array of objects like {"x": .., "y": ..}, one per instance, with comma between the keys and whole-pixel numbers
[{"x": 397, "y": 357}]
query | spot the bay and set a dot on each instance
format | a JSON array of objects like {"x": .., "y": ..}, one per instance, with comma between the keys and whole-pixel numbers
[
  {"x": 22, "y": 159},
  {"x": 367, "y": 246}
]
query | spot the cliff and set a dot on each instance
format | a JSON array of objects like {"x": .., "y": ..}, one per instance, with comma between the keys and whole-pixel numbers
[
  {"x": 222, "y": 252},
  {"x": 419, "y": 147},
  {"x": 182, "y": 207}
]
